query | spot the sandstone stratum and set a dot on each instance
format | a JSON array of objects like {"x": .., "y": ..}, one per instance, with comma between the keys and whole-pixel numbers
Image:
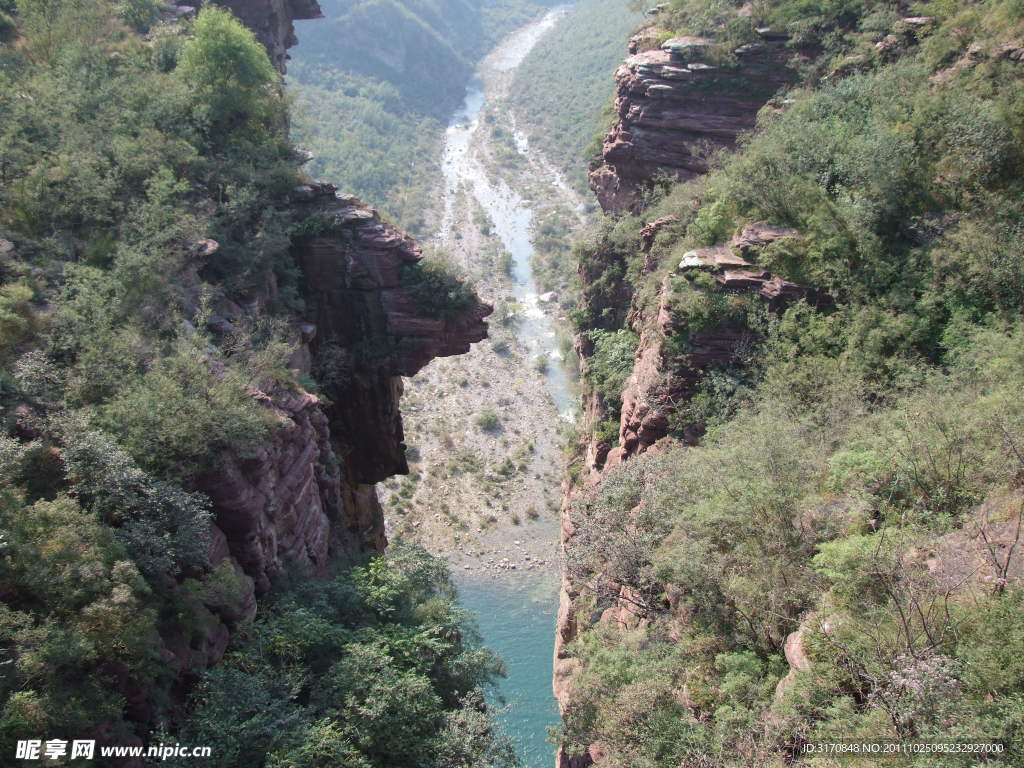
[{"x": 675, "y": 106}]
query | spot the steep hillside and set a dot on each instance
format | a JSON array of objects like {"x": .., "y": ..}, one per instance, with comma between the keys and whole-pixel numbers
[
  {"x": 795, "y": 516},
  {"x": 561, "y": 90},
  {"x": 375, "y": 84},
  {"x": 200, "y": 362}
]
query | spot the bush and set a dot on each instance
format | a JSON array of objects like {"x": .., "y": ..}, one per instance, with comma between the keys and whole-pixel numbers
[
  {"x": 180, "y": 414},
  {"x": 139, "y": 14},
  {"x": 165, "y": 528},
  {"x": 488, "y": 421},
  {"x": 611, "y": 363},
  {"x": 381, "y": 667},
  {"x": 15, "y": 314},
  {"x": 229, "y": 75},
  {"x": 74, "y": 605},
  {"x": 436, "y": 289}
]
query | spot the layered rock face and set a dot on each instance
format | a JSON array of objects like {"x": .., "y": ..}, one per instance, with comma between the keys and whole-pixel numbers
[
  {"x": 658, "y": 386},
  {"x": 290, "y": 502},
  {"x": 306, "y": 497},
  {"x": 675, "y": 109},
  {"x": 369, "y": 329},
  {"x": 271, "y": 20}
]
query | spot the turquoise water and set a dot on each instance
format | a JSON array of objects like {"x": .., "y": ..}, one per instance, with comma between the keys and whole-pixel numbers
[{"x": 517, "y": 620}]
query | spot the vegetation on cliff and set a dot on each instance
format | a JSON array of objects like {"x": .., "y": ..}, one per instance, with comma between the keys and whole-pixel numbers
[
  {"x": 561, "y": 89},
  {"x": 144, "y": 183},
  {"x": 853, "y": 506},
  {"x": 374, "y": 668}
]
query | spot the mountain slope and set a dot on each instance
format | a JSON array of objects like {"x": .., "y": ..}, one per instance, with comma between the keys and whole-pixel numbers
[
  {"x": 797, "y": 505},
  {"x": 375, "y": 84}
]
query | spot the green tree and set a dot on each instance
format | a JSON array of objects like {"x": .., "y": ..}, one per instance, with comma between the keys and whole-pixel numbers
[{"x": 232, "y": 81}]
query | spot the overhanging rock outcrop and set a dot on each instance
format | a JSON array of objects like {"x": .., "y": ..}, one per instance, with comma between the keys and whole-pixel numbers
[
  {"x": 370, "y": 329},
  {"x": 305, "y": 496}
]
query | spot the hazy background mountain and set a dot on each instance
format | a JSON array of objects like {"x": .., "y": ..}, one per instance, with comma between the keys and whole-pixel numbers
[
  {"x": 375, "y": 83},
  {"x": 563, "y": 93}
]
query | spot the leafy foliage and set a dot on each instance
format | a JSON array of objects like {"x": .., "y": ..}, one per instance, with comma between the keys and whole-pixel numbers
[
  {"x": 226, "y": 70},
  {"x": 856, "y": 447},
  {"x": 376, "y": 667},
  {"x": 74, "y": 604},
  {"x": 437, "y": 290},
  {"x": 179, "y": 414},
  {"x": 611, "y": 364}
]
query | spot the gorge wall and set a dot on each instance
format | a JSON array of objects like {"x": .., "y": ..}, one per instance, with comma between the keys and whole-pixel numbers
[
  {"x": 659, "y": 386},
  {"x": 706, "y": 523},
  {"x": 673, "y": 109},
  {"x": 679, "y": 102},
  {"x": 306, "y": 496}
]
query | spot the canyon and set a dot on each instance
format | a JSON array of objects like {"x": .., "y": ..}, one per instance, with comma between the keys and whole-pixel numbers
[
  {"x": 721, "y": 465},
  {"x": 673, "y": 112}
]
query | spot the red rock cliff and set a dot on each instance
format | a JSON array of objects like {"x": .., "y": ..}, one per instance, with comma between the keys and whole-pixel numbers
[
  {"x": 674, "y": 109},
  {"x": 352, "y": 275},
  {"x": 307, "y": 495}
]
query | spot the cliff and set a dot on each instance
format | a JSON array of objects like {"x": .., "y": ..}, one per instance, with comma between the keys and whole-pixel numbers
[
  {"x": 306, "y": 497},
  {"x": 674, "y": 108},
  {"x": 201, "y": 386},
  {"x": 663, "y": 381},
  {"x": 660, "y": 386},
  {"x": 357, "y": 293}
]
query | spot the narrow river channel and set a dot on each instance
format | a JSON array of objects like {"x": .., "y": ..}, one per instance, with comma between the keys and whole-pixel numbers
[{"x": 516, "y": 614}]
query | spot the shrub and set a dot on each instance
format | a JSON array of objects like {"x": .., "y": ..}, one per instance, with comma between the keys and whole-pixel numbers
[
  {"x": 139, "y": 14},
  {"x": 436, "y": 289},
  {"x": 75, "y": 604},
  {"x": 180, "y": 414},
  {"x": 15, "y": 314},
  {"x": 611, "y": 363},
  {"x": 228, "y": 74},
  {"x": 488, "y": 421},
  {"x": 165, "y": 528}
]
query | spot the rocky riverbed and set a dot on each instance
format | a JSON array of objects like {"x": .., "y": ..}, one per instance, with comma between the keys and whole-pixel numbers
[{"x": 486, "y": 429}]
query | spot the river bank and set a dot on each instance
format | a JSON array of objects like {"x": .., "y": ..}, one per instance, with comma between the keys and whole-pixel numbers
[{"x": 486, "y": 430}]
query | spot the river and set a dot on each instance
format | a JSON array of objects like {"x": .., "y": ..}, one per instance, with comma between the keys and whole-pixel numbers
[{"x": 515, "y": 614}]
